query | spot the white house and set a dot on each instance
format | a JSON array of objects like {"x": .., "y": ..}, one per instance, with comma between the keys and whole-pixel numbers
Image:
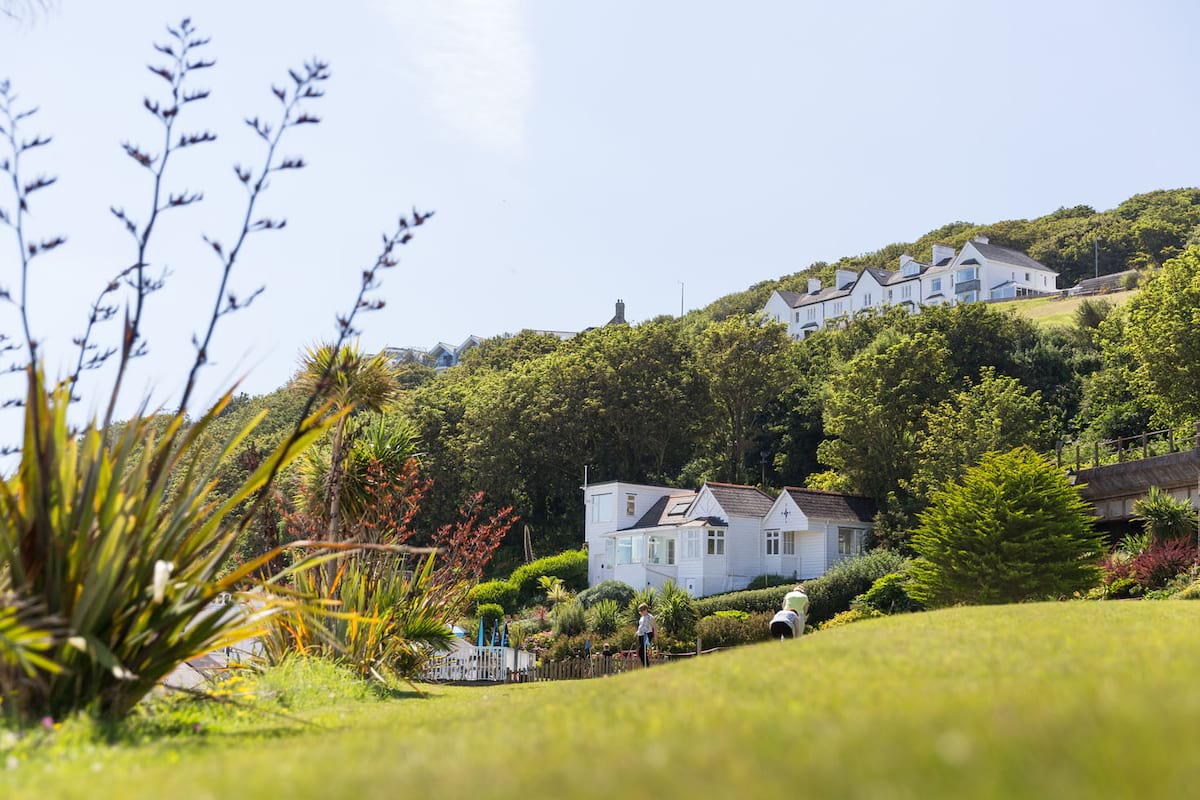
[
  {"x": 807, "y": 531},
  {"x": 719, "y": 538},
  {"x": 980, "y": 271}
]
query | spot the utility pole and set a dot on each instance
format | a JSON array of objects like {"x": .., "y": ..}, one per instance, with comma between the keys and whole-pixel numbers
[
  {"x": 681, "y": 298},
  {"x": 1096, "y": 251}
]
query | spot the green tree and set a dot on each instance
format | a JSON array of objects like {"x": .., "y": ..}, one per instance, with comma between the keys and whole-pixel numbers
[
  {"x": 1162, "y": 342},
  {"x": 741, "y": 359},
  {"x": 874, "y": 411},
  {"x": 346, "y": 378},
  {"x": 1014, "y": 529},
  {"x": 995, "y": 414}
]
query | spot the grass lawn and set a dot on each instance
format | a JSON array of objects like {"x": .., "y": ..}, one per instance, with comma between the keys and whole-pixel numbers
[
  {"x": 1064, "y": 700},
  {"x": 1059, "y": 311}
]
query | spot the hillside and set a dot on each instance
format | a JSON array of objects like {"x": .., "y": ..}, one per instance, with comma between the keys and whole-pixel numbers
[
  {"x": 1142, "y": 232},
  {"x": 1058, "y": 311},
  {"x": 1039, "y": 700}
]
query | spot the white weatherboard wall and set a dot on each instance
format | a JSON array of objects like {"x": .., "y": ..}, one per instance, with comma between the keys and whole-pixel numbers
[{"x": 606, "y": 510}]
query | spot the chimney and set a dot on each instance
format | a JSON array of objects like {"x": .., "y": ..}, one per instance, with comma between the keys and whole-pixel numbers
[
  {"x": 844, "y": 278},
  {"x": 942, "y": 253},
  {"x": 814, "y": 285},
  {"x": 619, "y": 316}
]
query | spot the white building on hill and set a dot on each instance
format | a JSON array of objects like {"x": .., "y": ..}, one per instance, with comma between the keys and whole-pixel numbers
[{"x": 980, "y": 271}]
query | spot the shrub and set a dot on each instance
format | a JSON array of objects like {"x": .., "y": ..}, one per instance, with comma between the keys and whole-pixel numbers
[
  {"x": 617, "y": 591},
  {"x": 1162, "y": 561},
  {"x": 604, "y": 617},
  {"x": 564, "y": 647},
  {"x": 1122, "y": 588},
  {"x": 501, "y": 593},
  {"x": 846, "y": 617},
  {"x": 732, "y": 614},
  {"x": 1011, "y": 530},
  {"x": 767, "y": 581},
  {"x": 569, "y": 619},
  {"x": 1163, "y": 516},
  {"x": 675, "y": 612},
  {"x": 719, "y": 630},
  {"x": 827, "y": 595},
  {"x": 1192, "y": 592},
  {"x": 571, "y": 566},
  {"x": 888, "y": 595},
  {"x": 490, "y": 614}
]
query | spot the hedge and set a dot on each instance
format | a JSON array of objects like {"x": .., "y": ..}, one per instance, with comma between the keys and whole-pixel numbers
[
  {"x": 501, "y": 593},
  {"x": 827, "y": 595},
  {"x": 570, "y": 566}
]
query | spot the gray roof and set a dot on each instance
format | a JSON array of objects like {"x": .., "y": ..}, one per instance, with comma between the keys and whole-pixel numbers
[
  {"x": 791, "y": 298},
  {"x": 744, "y": 501},
  {"x": 833, "y": 505},
  {"x": 668, "y": 510},
  {"x": 882, "y": 276},
  {"x": 994, "y": 252},
  {"x": 828, "y": 293}
]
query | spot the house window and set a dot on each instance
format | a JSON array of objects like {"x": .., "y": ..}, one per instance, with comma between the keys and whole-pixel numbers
[
  {"x": 691, "y": 544},
  {"x": 603, "y": 507},
  {"x": 610, "y": 551},
  {"x": 889, "y": 295},
  {"x": 812, "y": 314},
  {"x": 1026, "y": 277},
  {"x": 866, "y": 299},
  {"x": 772, "y": 543},
  {"x": 630, "y": 549},
  {"x": 964, "y": 275},
  {"x": 837, "y": 308},
  {"x": 850, "y": 541},
  {"x": 906, "y": 291},
  {"x": 789, "y": 543},
  {"x": 662, "y": 550},
  {"x": 968, "y": 297},
  {"x": 797, "y": 316},
  {"x": 935, "y": 285},
  {"x": 630, "y": 504},
  {"x": 716, "y": 543}
]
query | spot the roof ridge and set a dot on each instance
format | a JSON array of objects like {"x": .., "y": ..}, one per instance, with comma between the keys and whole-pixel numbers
[{"x": 823, "y": 491}]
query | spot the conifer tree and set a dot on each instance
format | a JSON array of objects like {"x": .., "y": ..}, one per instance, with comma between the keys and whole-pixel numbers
[{"x": 1013, "y": 529}]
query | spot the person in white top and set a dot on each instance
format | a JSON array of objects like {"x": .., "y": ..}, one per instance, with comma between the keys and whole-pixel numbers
[{"x": 645, "y": 633}]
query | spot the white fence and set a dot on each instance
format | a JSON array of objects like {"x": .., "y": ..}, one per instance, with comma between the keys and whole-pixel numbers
[{"x": 477, "y": 664}]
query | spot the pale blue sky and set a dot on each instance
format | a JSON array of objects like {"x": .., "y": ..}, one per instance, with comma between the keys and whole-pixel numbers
[{"x": 577, "y": 153}]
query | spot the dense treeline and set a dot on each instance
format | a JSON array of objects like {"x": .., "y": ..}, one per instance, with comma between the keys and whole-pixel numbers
[{"x": 891, "y": 405}]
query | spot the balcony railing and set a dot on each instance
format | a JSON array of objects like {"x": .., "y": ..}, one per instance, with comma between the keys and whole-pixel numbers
[{"x": 1128, "y": 448}]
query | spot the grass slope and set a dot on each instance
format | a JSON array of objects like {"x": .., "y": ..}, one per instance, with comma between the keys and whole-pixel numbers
[
  {"x": 1059, "y": 311},
  {"x": 1042, "y": 700}
]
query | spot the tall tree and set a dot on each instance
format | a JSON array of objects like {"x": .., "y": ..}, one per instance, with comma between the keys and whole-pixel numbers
[
  {"x": 347, "y": 378},
  {"x": 874, "y": 412},
  {"x": 1162, "y": 341},
  {"x": 742, "y": 360}
]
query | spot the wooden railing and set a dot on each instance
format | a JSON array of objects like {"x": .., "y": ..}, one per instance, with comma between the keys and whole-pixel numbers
[{"x": 1129, "y": 448}]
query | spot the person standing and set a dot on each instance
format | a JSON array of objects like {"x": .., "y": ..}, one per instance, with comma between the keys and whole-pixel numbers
[
  {"x": 645, "y": 633},
  {"x": 796, "y": 600}
]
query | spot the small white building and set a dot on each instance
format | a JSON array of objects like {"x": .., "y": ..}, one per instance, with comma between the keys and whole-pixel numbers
[
  {"x": 981, "y": 271},
  {"x": 719, "y": 538}
]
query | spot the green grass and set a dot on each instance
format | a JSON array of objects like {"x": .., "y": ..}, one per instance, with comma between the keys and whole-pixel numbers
[
  {"x": 1042, "y": 700},
  {"x": 1059, "y": 311}
]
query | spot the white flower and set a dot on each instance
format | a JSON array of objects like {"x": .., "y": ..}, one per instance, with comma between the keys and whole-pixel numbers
[{"x": 162, "y": 573}]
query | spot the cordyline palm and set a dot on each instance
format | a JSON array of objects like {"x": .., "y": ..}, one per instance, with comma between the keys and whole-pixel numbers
[{"x": 347, "y": 379}]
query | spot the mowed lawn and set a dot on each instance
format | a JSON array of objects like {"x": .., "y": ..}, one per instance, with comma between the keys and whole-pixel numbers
[
  {"x": 1059, "y": 310},
  {"x": 1047, "y": 700}
]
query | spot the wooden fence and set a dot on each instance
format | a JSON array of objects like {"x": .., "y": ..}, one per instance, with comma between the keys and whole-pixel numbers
[{"x": 1128, "y": 448}]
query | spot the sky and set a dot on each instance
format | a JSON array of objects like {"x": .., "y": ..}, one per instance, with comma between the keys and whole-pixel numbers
[{"x": 574, "y": 153}]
